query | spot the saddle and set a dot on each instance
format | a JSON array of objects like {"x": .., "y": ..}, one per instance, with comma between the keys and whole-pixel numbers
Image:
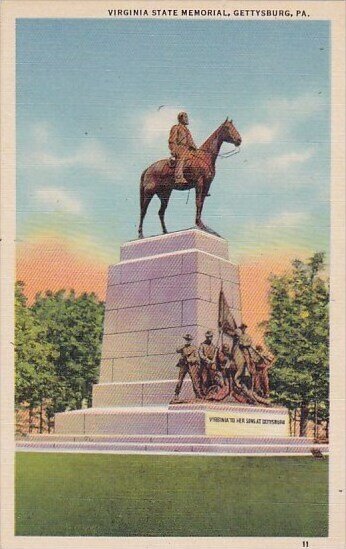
[{"x": 173, "y": 160}]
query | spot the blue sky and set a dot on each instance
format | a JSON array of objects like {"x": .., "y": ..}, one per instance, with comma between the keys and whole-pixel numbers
[{"x": 88, "y": 93}]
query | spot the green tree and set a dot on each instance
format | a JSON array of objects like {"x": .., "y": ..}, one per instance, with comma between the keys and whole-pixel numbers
[
  {"x": 74, "y": 327},
  {"x": 35, "y": 381},
  {"x": 297, "y": 334}
]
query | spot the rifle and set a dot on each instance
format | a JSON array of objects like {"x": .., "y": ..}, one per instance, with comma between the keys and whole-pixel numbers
[{"x": 264, "y": 358}]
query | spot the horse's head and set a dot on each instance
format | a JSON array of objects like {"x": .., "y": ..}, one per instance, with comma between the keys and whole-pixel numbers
[{"x": 230, "y": 133}]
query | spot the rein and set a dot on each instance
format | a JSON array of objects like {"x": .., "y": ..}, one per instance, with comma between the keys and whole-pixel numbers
[
  {"x": 227, "y": 154},
  {"x": 230, "y": 153}
]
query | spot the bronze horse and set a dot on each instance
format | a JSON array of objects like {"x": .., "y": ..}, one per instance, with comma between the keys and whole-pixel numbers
[{"x": 199, "y": 172}]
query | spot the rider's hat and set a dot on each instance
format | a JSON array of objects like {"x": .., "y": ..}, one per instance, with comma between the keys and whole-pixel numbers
[
  {"x": 188, "y": 337},
  {"x": 209, "y": 333},
  {"x": 243, "y": 325}
]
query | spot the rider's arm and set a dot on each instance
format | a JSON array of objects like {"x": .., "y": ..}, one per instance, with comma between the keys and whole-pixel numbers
[
  {"x": 191, "y": 143},
  {"x": 173, "y": 137}
]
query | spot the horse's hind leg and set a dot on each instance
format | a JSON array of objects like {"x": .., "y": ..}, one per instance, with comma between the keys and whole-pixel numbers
[{"x": 164, "y": 197}]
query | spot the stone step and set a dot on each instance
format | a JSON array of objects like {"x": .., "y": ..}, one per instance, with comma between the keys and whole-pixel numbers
[
  {"x": 156, "y": 448},
  {"x": 132, "y": 420},
  {"x": 166, "y": 439},
  {"x": 161, "y": 420},
  {"x": 140, "y": 393}
]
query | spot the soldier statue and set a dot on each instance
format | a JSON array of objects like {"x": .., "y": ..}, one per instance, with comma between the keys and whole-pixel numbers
[
  {"x": 207, "y": 355},
  {"x": 188, "y": 364},
  {"x": 241, "y": 364},
  {"x": 222, "y": 377},
  {"x": 262, "y": 364},
  {"x": 224, "y": 363},
  {"x": 245, "y": 345},
  {"x": 181, "y": 144}
]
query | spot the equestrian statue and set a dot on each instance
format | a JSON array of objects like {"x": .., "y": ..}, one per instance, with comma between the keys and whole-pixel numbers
[{"x": 188, "y": 168}]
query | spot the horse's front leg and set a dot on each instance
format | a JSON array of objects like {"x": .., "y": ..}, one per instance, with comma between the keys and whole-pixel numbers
[
  {"x": 164, "y": 197},
  {"x": 145, "y": 201},
  {"x": 200, "y": 196}
]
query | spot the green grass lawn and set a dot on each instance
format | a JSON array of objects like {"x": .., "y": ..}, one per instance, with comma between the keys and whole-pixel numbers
[{"x": 137, "y": 495}]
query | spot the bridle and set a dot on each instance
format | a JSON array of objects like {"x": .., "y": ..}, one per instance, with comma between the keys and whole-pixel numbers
[{"x": 230, "y": 153}]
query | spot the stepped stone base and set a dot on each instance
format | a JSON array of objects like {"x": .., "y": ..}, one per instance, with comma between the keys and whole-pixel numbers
[
  {"x": 180, "y": 419},
  {"x": 162, "y": 444},
  {"x": 160, "y": 439}
]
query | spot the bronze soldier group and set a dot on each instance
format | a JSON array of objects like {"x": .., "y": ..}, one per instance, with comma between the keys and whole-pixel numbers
[{"x": 237, "y": 371}]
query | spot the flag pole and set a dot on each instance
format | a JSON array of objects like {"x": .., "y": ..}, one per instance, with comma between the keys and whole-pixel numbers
[{"x": 222, "y": 316}]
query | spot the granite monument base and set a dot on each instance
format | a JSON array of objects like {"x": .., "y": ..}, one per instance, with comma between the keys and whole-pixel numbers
[{"x": 163, "y": 287}]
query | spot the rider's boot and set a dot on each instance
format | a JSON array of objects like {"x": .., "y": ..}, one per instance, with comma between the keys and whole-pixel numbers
[{"x": 179, "y": 176}]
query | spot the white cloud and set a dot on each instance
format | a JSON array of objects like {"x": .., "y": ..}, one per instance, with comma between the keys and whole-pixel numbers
[
  {"x": 284, "y": 232},
  {"x": 280, "y": 165},
  {"x": 90, "y": 154},
  {"x": 155, "y": 125},
  {"x": 261, "y": 133},
  {"x": 302, "y": 106},
  {"x": 286, "y": 160},
  {"x": 281, "y": 115},
  {"x": 59, "y": 199},
  {"x": 275, "y": 227},
  {"x": 287, "y": 219},
  {"x": 41, "y": 133}
]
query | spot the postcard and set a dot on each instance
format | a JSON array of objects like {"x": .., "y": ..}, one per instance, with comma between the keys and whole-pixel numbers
[{"x": 172, "y": 258}]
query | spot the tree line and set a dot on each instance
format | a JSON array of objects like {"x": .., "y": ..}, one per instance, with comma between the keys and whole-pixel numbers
[
  {"x": 297, "y": 334},
  {"x": 58, "y": 347},
  {"x": 57, "y": 351}
]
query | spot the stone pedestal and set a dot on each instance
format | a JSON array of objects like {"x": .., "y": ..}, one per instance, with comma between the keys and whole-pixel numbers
[
  {"x": 163, "y": 287},
  {"x": 205, "y": 419}
]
